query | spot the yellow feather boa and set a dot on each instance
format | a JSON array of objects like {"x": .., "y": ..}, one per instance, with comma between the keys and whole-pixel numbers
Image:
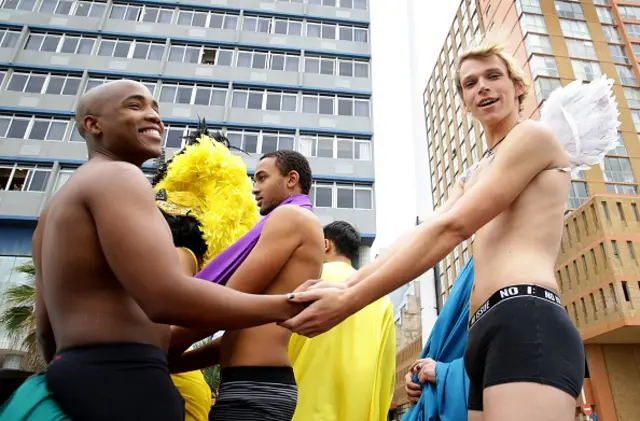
[{"x": 213, "y": 183}]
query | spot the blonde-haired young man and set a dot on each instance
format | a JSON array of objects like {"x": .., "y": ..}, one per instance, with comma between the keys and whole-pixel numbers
[{"x": 524, "y": 356}]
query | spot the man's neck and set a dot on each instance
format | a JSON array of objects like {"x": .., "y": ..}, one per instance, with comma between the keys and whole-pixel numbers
[
  {"x": 338, "y": 259},
  {"x": 103, "y": 155},
  {"x": 499, "y": 131}
]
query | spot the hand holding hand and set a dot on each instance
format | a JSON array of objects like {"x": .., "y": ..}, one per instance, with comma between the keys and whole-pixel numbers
[{"x": 327, "y": 308}]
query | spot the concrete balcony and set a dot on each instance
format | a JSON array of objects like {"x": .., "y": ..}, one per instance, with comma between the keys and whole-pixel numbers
[{"x": 598, "y": 269}]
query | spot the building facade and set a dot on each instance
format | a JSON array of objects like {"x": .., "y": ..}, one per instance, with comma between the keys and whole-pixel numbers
[
  {"x": 558, "y": 42},
  {"x": 271, "y": 74}
]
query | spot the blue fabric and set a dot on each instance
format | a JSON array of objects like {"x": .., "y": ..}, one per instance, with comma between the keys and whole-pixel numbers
[
  {"x": 32, "y": 402},
  {"x": 447, "y": 399}
]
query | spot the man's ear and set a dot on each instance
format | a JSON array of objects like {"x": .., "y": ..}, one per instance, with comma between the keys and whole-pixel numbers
[
  {"x": 294, "y": 178},
  {"x": 519, "y": 89},
  {"x": 327, "y": 245},
  {"x": 91, "y": 125}
]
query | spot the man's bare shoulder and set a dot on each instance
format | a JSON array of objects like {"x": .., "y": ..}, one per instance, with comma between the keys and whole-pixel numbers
[{"x": 293, "y": 219}]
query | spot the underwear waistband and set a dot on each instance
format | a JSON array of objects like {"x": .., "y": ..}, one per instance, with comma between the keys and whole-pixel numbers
[
  {"x": 121, "y": 352},
  {"x": 259, "y": 374},
  {"x": 514, "y": 291}
]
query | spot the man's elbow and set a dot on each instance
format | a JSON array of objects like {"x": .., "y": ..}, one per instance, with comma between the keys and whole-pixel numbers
[{"x": 457, "y": 229}]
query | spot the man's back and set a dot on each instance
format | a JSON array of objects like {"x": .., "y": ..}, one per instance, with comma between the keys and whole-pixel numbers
[
  {"x": 86, "y": 304},
  {"x": 239, "y": 347},
  {"x": 347, "y": 373}
]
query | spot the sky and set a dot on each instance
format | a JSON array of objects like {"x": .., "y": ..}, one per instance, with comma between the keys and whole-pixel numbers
[{"x": 406, "y": 38}]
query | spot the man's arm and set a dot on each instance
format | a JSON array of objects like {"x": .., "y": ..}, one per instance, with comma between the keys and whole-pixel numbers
[
  {"x": 44, "y": 332},
  {"x": 530, "y": 149},
  {"x": 139, "y": 248},
  {"x": 280, "y": 237},
  {"x": 456, "y": 193},
  {"x": 201, "y": 357}
]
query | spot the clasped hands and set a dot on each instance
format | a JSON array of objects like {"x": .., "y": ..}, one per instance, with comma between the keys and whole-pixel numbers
[{"x": 326, "y": 307}]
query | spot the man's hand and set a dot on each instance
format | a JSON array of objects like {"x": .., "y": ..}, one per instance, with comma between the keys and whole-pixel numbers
[
  {"x": 327, "y": 308},
  {"x": 313, "y": 284},
  {"x": 426, "y": 371},
  {"x": 413, "y": 389}
]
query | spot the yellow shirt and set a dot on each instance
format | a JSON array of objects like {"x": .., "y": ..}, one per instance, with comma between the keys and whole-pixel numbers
[
  {"x": 347, "y": 373},
  {"x": 196, "y": 394}
]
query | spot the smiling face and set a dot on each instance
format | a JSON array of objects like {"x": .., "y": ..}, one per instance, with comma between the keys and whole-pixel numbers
[
  {"x": 488, "y": 91},
  {"x": 125, "y": 121}
]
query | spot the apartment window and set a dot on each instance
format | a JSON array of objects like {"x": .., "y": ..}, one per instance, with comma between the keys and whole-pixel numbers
[
  {"x": 636, "y": 49},
  {"x": 63, "y": 176},
  {"x": 618, "y": 170},
  {"x": 268, "y": 60},
  {"x": 198, "y": 54},
  {"x": 32, "y": 127},
  {"x": 97, "y": 81},
  {"x": 44, "y": 83},
  {"x": 533, "y": 23},
  {"x": 601, "y": 2},
  {"x": 252, "y": 141},
  {"x": 193, "y": 94},
  {"x": 611, "y": 34},
  {"x": 575, "y": 29},
  {"x": 544, "y": 87},
  {"x": 335, "y": 105},
  {"x": 337, "y": 31},
  {"x": 128, "y": 48},
  {"x": 24, "y": 177},
  {"x": 528, "y": 6},
  {"x": 8, "y": 38},
  {"x": 629, "y": 12},
  {"x": 141, "y": 13},
  {"x": 205, "y": 19},
  {"x": 632, "y": 29},
  {"x": 312, "y": 145},
  {"x": 272, "y": 25},
  {"x": 345, "y": 4},
  {"x": 581, "y": 49},
  {"x": 535, "y": 43},
  {"x": 543, "y": 66},
  {"x": 619, "y": 54},
  {"x": 567, "y": 9},
  {"x": 578, "y": 194},
  {"x": 632, "y": 96},
  {"x": 254, "y": 99},
  {"x": 26, "y": 5},
  {"x": 341, "y": 195},
  {"x": 60, "y": 43},
  {"x": 586, "y": 70},
  {"x": 605, "y": 16},
  {"x": 621, "y": 188},
  {"x": 626, "y": 75},
  {"x": 91, "y": 9},
  {"x": 336, "y": 66},
  {"x": 175, "y": 135},
  {"x": 75, "y": 136}
]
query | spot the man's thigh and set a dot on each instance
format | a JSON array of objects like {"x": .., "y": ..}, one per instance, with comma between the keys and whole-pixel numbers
[
  {"x": 527, "y": 402},
  {"x": 476, "y": 416}
]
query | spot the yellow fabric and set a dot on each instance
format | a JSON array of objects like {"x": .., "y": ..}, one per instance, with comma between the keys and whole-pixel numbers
[
  {"x": 196, "y": 393},
  {"x": 213, "y": 184},
  {"x": 348, "y": 373}
]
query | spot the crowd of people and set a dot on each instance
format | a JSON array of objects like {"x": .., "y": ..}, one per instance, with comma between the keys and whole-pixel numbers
[{"x": 130, "y": 275}]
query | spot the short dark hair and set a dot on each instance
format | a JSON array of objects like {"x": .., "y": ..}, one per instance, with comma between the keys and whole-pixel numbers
[
  {"x": 292, "y": 161},
  {"x": 345, "y": 237}
]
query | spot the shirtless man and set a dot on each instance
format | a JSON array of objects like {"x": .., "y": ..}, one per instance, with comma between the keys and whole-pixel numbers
[
  {"x": 108, "y": 278},
  {"x": 524, "y": 356},
  {"x": 258, "y": 382}
]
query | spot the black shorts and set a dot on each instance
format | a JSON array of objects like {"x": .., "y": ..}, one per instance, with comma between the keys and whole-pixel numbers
[
  {"x": 124, "y": 382},
  {"x": 523, "y": 334}
]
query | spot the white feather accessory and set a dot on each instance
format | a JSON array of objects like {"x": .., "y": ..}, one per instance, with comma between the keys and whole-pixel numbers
[{"x": 584, "y": 117}]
